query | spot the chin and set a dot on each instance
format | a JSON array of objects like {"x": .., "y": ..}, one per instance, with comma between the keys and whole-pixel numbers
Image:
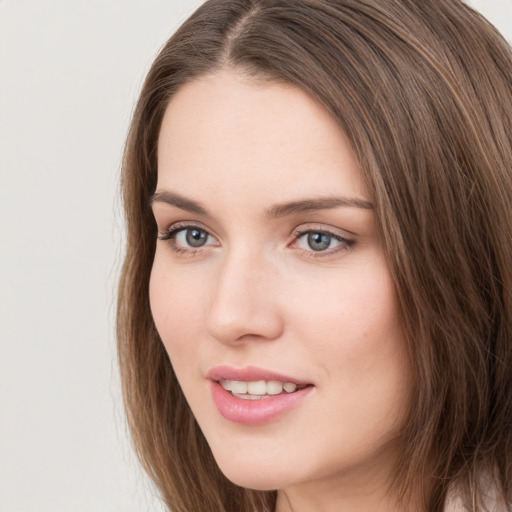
[
  {"x": 253, "y": 475},
  {"x": 255, "y": 480}
]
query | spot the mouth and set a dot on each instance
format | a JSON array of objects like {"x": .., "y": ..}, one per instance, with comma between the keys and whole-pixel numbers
[
  {"x": 253, "y": 396},
  {"x": 259, "y": 389}
]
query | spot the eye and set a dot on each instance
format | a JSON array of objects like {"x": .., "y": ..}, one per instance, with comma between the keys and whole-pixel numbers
[
  {"x": 320, "y": 242},
  {"x": 317, "y": 241},
  {"x": 192, "y": 237},
  {"x": 187, "y": 238}
]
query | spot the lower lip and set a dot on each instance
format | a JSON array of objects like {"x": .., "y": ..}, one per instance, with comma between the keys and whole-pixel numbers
[{"x": 255, "y": 412}]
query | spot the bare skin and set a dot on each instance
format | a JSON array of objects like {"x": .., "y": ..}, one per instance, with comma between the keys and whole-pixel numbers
[{"x": 269, "y": 257}]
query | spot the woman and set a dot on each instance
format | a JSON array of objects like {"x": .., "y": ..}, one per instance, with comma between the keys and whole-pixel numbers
[{"x": 315, "y": 307}]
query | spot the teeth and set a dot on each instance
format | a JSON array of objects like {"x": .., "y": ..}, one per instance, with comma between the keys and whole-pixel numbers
[
  {"x": 258, "y": 388},
  {"x": 239, "y": 387},
  {"x": 274, "y": 387},
  {"x": 289, "y": 387}
]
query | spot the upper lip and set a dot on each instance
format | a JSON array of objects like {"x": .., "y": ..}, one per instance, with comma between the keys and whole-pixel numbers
[{"x": 250, "y": 374}]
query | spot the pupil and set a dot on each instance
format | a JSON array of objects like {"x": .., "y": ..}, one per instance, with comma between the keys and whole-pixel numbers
[
  {"x": 195, "y": 237},
  {"x": 319, "y": 241}
]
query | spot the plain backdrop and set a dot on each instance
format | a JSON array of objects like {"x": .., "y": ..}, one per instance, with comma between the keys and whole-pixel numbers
[{"x": 70, "y": 71}]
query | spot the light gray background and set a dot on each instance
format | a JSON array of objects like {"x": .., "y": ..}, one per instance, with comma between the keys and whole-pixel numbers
[{"x": 70, "y": 71}]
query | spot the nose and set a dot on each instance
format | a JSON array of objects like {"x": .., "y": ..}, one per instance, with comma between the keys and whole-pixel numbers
[{"x": 245, "y": 301}]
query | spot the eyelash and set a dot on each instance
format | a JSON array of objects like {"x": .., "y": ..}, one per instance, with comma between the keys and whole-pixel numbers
[
  {"x": 345, "y": 244},
  {"x": 170, "y": 236}
]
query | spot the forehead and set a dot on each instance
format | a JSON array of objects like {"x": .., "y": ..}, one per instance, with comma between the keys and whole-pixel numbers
[{"x": 256, "y": 136}]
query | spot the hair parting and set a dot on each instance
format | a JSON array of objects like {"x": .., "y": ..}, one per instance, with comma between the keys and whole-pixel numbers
[{"x": 423, "y": 91}]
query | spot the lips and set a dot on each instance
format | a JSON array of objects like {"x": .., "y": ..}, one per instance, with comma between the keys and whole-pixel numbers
[
  {"x": 257, "y": 389},
  {"x": 254, "y": 396}
]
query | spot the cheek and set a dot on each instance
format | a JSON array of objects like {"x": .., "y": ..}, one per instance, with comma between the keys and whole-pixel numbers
[
  {"x": 354, "y": 335},
  {"x": 359, "y": 305},
  {"x": 177, "y": 308}
]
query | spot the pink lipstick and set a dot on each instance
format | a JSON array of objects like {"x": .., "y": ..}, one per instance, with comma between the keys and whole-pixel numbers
[{"x": 254, "y": 396}]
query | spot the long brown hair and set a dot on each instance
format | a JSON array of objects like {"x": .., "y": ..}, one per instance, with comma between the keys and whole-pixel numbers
[{"x": 423, "y": 90}]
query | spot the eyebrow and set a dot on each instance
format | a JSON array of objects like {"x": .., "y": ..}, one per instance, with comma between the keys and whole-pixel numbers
[
  {"x": 179, "y": 201},
  {"x": 321, "y": 203},
  {"x": 275, "y": 211}
]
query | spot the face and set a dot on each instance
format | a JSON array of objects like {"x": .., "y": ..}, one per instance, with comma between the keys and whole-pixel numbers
[{"x": 270, "y": 289}]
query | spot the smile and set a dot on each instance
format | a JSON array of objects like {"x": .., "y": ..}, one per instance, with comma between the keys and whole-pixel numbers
[
  {"x": 254, "y": 396},
  {"x": 256, "y": 390}
]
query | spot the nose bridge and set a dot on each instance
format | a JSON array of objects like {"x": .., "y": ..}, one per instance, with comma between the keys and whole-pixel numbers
[{"x": 244, "y": 303}]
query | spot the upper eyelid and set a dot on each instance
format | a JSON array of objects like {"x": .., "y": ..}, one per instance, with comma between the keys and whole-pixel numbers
[
  {"x": 336, "y": 236},
  {"x": 322, "y": 228},
  {"x": 180, "y": 225},
  {"x": 299, "y": 230}
]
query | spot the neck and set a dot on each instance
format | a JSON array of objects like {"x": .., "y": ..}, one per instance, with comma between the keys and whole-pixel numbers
[
  {"x": 345, "y": 494},
  {"x": 289, "y": 502}
]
